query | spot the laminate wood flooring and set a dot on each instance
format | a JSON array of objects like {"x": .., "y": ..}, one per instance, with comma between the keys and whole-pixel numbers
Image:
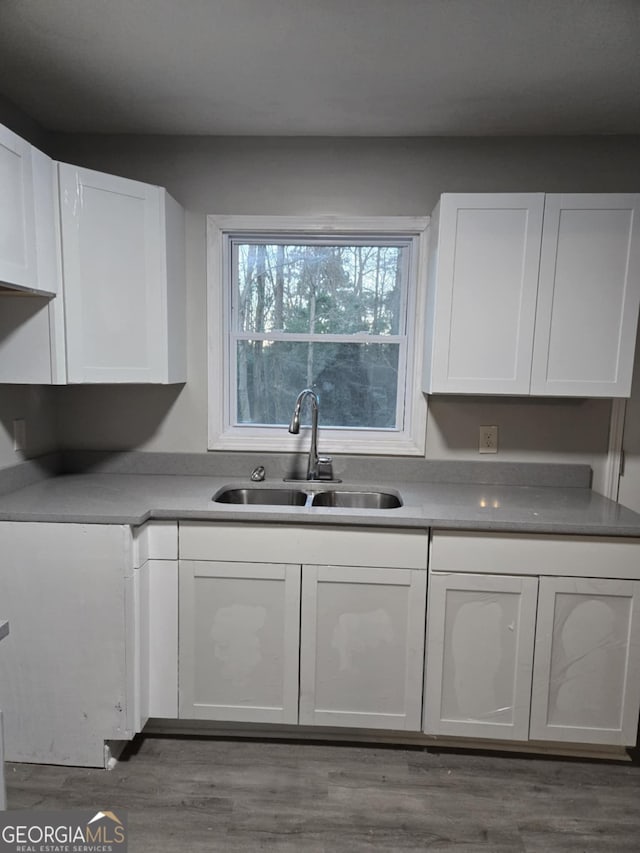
[{"x": 242, "y": 796}]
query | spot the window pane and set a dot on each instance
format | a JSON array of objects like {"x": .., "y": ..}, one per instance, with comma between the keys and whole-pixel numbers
[
  {"x": 357, "y": 383},
  {"x": 314, "y": 289}
]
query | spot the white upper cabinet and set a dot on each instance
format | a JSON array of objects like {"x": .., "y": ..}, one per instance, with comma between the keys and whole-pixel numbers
[
  {"x": 18, "y": 265},
  {"x": 25, "y": 335},
  {"x": 482, "y": 293},
  {"x": 588, "y": 296},
  {"x": 26, "y": 221},
  {"x": 110, "y": 251},
  {"x": 124, "y": 278},
  {"x": 533, "y": 294}
]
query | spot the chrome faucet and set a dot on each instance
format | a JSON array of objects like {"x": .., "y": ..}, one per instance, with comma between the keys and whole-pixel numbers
[{"x": 318, "y": 467}]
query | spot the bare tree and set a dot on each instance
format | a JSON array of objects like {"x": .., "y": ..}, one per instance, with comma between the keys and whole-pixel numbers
[{"x": 244, "y": 308}]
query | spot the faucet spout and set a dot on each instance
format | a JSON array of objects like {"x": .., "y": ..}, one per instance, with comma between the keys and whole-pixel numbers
[{"x": 294, "y": 427}]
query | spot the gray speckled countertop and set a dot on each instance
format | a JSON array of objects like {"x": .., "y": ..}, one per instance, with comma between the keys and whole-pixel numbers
[{"x": 119, "y": 498}]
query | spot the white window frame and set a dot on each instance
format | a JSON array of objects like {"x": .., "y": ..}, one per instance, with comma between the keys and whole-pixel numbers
[{"x": 223, "y": 434}]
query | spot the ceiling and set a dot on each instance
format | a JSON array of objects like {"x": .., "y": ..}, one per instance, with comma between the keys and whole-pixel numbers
[{"x": 324, "y": 67}]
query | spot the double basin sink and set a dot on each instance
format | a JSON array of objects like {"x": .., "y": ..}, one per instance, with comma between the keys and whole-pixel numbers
[{"x": 332, "y": 498}]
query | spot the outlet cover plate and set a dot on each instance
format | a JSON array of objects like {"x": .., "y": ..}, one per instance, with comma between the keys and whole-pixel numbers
[{"x": 488, "y": 442}]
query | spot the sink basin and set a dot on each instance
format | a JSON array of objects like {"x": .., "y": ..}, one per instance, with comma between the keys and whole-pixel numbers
[
  {"x": 357, "y": 500},
  {"x": 331, "y": 498},
  {"x": 263, "y": 497}
]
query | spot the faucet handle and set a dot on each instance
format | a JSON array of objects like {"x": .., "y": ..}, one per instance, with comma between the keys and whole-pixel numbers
[
  {"x": 258, "y": 474},
  {"x": 325, "y": 468}
]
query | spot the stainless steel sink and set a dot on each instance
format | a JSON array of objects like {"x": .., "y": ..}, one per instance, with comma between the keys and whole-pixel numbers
[
  {"x": 356, "y": 500},
  {"x": 263, "y": 497},
  {"x": 330, "y": 498}
]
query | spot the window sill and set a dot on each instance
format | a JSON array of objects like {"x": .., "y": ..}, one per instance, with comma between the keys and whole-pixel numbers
[{"x": 355, "y": 445}]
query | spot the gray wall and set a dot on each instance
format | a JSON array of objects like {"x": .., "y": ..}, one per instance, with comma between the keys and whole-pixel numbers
[
  {"x": 246, "y": 175},
  {"x": 22, "y": 124},
  {"x": 36, "y": 405},
  {"x": 350, "y": 177}
]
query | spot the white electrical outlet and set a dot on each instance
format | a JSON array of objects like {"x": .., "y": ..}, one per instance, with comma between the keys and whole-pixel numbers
[
  {"x": 19, "y": 434},
  {"x": 488, "y": 439}
]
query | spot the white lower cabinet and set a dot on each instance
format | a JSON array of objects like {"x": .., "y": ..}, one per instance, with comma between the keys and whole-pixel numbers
[
  {"x": 362, "y": 650},
  {"x": 70, "y": 668},
  {"x": 544, "y": 657},
  {"x": 267, "y": 637},
  {"x": 161, "y": 633},
  {"x": 480, "y": 638},
  {"x": 239, "y": 634},
  {"x": 586, "y": 675},
  {"x": 317, "y": 626},
  {"x": 92, "y": 652}
]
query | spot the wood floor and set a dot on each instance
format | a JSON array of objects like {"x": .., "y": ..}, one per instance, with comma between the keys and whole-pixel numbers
[{"x": 191, "y": 794}]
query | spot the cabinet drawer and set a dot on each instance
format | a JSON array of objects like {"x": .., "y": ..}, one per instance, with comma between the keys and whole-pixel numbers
[
  {"x": 515, "y": 554},
  {"x": 274, "y": 543}
]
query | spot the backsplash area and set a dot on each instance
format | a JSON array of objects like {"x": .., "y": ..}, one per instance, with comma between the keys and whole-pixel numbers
[{"x": 278, "y": 466}]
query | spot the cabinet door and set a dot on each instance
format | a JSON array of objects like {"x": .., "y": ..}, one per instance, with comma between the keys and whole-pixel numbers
[
  {"x": 66, "y": 668},
  {"x": 239, "y": 637},
  {"x": 480, "y": 633},
  {"x": 586, "y": 680},
  {"x": 361, "y": 658},
  {"x": 18, "y": 265},
  {"x": 482, "y": 300},
  {"x": 588, "y": 297},
  {"x": 114, "y": 277}
]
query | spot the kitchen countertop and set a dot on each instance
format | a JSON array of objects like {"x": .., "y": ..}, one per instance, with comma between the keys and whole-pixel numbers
[{"x": 117, "y": 498}]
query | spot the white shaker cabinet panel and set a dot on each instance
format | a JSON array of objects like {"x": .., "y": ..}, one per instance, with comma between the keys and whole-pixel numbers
[
  {"x": 588, "y": 296},
  {"x": 123, "y": 270},
  {"x": 18, "y": 264},
  {"x": 534, "y": 554},
  {"x": 483, "y": 280},
  {"x": 26, "y": 344},
  {"x": 28, "y": 255},
  {"x": 47, "y": 224},
  {"x": 298, "y": 543},
  {"x": 160, "y": 622},
  {"x": 533, "y": 294},
  {"x": 480, "y": 635},
  {"x": 586, "y": 681},
  {"x": 239, "y": 637},
  {"x": 361, "y": 658},
  {"x": 68, "y": 667}
]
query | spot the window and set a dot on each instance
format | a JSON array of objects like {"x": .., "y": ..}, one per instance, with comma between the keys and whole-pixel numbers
[{"x": 332, "y": 306}]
